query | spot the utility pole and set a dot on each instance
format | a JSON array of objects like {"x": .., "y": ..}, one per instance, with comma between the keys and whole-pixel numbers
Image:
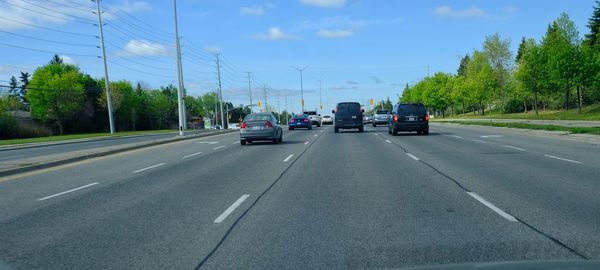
[
  {"x": 265, "y": 93},
  {"x": 111, "y": 120},
  {"x": 250, "y": 91},
  {"x": 220, "y": 89},
  {"x": 278, "y": 109},
  {"x": 180, "y": 105},
  {"x": 301, "y": 87},
  {"x": 320, "y": 95}
]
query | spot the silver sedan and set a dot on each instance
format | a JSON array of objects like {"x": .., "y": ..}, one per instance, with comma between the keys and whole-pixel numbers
[{"x": 260, "y": 127}]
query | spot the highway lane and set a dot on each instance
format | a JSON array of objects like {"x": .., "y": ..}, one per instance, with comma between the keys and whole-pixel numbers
[
  {"x": 128, "y": 219},
  {"x": 357, "y": 200},
  {"x": 7, "y": 155}
]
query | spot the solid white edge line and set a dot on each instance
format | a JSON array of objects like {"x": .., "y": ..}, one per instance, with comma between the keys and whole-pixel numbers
[
  {"x": 288, "y": 158},
  {"x": 231, "y": 208},
  {"x": 68, "y": 191},
  {"x": 236, "y": 142},
  {"x": 513, "y": 147},
  {"x": 455, "y": 136},
  {"x": 218, "y": 147},
  {"x": 564, "y": 159},
  {"x": 12, "y": 157},
  {"x": 194, "y": 154},
  {"x": 306, "y": 143},
  {"x": 412, "y": 156},
  {"x": 493, "y": 207},
  {"x": 475, "y": 140},
  {"x": 388, "y": 141},
  {"x": 148, "y": 168}
]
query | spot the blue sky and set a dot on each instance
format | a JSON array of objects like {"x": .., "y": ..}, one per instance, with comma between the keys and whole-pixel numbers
[{"x": 360, "y": 49}]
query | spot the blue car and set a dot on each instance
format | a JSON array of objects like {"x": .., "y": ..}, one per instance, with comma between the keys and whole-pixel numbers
[{"x": 300, "y": 121}]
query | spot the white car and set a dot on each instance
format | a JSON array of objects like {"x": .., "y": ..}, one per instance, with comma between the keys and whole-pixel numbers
[
  {"x": 327, "y": 120},
  {"x": 315, "y": 118}
]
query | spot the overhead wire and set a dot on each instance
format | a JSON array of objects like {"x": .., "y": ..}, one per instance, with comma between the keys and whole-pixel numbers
[{"x": 47, "y": 28}]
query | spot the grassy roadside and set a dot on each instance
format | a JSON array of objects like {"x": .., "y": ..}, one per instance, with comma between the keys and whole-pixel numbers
[
  {"x": 591, "y": 112},
  {"x": 577, "y": 130},
  {"x": 80, "y": 136}
]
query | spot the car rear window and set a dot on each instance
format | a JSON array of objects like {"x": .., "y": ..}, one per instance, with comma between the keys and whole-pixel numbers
[
  {"x": 311, "y": 113},
  {"x": 416, "y": 109},
  {"x": 381, "y": 112},
  {"x": 344, "y": 108},
  {"x": 257, "y": 117}
]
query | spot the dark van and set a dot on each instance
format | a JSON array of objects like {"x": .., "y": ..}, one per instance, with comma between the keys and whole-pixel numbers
[
  {"x": 409, "y": 117},
  {"x": 348, "y": 115}
]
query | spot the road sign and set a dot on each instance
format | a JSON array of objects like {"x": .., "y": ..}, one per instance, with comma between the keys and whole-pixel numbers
[
  {"x": 302, "y": 102},
  {"x": 372, "y": 102},
  {"x": 259, "y": 105}
]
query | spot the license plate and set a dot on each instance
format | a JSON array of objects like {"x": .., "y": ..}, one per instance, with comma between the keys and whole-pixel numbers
[
  {"x": 412, "y": 118},
  {"x": 257, "y": 128},
  {"x": 354, "y": 117}
]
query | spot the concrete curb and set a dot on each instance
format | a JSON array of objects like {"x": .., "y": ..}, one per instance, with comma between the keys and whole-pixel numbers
[{"x": 126, "y": 148}]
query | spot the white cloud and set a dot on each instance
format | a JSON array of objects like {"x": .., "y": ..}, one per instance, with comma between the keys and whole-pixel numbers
[
  {"x": 138, "y": 47},
  {"x": 336, "y": 33},
  {"x": 343, "y": 87},
  {"x": 472, "y": 12},
  {"x": 68, "y": 60},
  {"x": 343, "y": 22},
  {"x": 325, "y": 3},
  {"x": 213, "y": 49},
  {"x": 132, "y": 6},
  {"x": 257, "y": 10},
  {"x": 19, "y": 18},
  {"x": 274, "y": 33},
  {"x": 352, "y": 82}
]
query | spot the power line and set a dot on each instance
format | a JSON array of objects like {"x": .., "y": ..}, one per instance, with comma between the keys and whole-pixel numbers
[
  {"x": 140, "y": 64},
  {"x": 136, "y": 27},
  {"x": 47, "y": 40},
  {"x": 45, "y": 51},
  {"x": 139, "y": 71},
  {"x": 70, "y": 6},
  {"x": 132, "y": 35},
  {"x": 135, "y": 18},
  {"x": 47, "y": 28},
  {"x": 86, "y": 21}
]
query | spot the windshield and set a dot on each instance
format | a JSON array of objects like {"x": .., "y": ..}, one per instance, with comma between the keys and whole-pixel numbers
[{"x": 299, "y": 134}]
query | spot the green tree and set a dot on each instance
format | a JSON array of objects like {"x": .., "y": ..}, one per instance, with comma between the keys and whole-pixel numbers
[
  {"x": 24, "y": 78},
  {"x": 480, "y": 79},
  {"x": 13, "y": 87},
  {"x": 497, "y": 51},
  {"x": 56, "y": 93},
  {"x": 531, "y": 71},
  {"x": 56, "y": 60},
  {"x": 462, "y": 68},
  {"x": 594, "y": 25}
]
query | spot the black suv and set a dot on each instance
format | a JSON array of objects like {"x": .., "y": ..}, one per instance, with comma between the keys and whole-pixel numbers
[
  {"x": 409, "y": 117},
  {"x": 348, "y": 115}
]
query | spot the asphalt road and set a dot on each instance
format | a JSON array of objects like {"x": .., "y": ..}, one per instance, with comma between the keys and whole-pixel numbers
[
  {"x": 320, "y": 200},
  {"x": 51, "y": 149}
]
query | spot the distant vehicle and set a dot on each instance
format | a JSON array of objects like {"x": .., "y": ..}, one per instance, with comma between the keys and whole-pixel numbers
[
  {"x": 368, "y": 119},
  {"x": 326, "y": 120},
  {"x": 260, "y": 127},
  {"x": 315, "y": 118},
  {"x": 381, "y": 117},
  {"x": 234, "y": 125},
  {"x": 300, "y": 121},
  {"x": 348, "y": 115},
  {"x": 409, "y": 117}
]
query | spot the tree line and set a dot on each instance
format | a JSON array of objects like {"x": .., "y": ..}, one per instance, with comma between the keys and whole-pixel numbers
[
  {"x": 560, "y": 71},
  {"x": 68, "y": 101}
]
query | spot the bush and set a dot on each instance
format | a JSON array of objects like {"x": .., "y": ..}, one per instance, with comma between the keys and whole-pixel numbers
[{"x": 8, "y": 126}]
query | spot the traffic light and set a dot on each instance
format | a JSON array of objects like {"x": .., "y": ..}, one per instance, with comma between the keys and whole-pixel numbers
[
  {"x": 302, "y": 102},
  {"x": 259, "y": 105},
  {"x": 372, "y": 101}
]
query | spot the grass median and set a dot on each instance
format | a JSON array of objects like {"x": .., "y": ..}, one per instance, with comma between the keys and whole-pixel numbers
[
  {"x": 575, "y": 130},
  {"x": 590, "y": 112},
  {"x": 81, "y": 136}
]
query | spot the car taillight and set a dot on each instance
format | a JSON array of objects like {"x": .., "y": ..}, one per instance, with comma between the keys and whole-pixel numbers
[
  {"x": 427, "y": 117},
  {"x": 306, "y": 120},
  {"x": 395, "y": 118},
  {"x": 268, "y": 124},
  {"x": 291, "y": 120},
  {"x": 244, "y": 125}
]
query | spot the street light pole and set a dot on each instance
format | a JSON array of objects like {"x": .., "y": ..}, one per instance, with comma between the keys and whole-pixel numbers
[
  {"x": 301, "y": 86},
  {"x": 250, "y": 91}
]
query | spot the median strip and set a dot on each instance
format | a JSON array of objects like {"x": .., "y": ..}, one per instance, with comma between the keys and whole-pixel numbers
[
  {"x": 148, "y": 168},
  {"x": 231, "y": 208},
  {"x": 68, "y": 191}
]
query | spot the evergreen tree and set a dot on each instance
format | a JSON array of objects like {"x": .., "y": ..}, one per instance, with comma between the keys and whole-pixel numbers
[{"x": 594, "y": 25}]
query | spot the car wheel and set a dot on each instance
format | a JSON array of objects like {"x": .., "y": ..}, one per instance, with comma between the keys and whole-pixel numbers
[
  {"x": 309, "y": 128},
  {"x": 394, "y": 132},
  {"x": 281, "y": 137},
  {"x": 243, "y": 142},
  {"x": 419, "y": 132},
  {"x": 336, "y": 130},
  {"x": 291, "y": 128},
  {"x": 389, "y": 129},
  {"x": 374, "y": 125},
  {"x": 426, "y": 132},
  {"x": 361, "y": 129},
  {"x": 318, "y": 125}
]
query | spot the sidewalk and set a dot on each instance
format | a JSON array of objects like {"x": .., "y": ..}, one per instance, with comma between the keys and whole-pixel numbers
[{"x": 564, "y": 123}]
